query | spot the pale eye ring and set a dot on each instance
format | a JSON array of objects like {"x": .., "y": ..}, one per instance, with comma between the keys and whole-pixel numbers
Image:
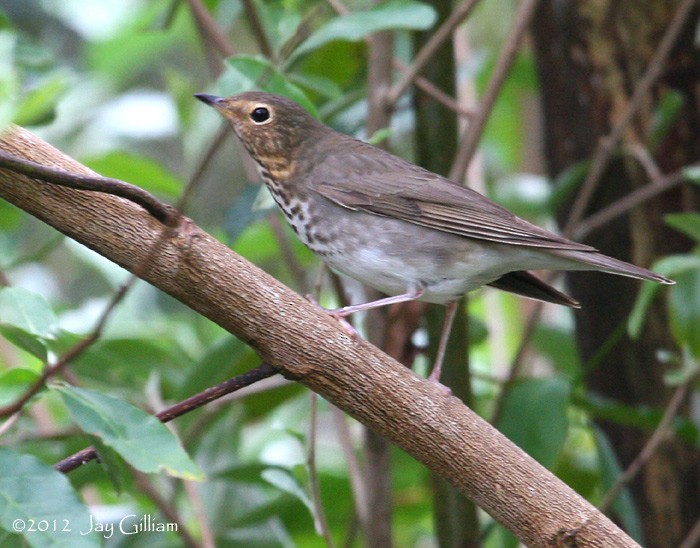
[{"x": 260, "y": 115}]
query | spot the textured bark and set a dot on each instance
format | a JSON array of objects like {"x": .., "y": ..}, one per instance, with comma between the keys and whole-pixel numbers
[
  {"x": 417, "y": 415},
  {"x": 591, "y": 55}
]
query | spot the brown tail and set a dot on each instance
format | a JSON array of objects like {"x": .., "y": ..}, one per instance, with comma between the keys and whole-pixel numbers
[
  {"x": 528, "y": 285},
  {"x": 591, "y": 260}
]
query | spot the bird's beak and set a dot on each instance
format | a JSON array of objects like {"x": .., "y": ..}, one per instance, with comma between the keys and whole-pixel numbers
[{"x": 211, "y": 100}]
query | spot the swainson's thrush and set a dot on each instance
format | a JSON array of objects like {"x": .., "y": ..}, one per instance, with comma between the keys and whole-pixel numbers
[{"x": 392, "y": 225}]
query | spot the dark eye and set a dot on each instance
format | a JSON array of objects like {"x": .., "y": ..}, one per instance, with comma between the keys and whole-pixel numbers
[{"x": 260, "y": 115}]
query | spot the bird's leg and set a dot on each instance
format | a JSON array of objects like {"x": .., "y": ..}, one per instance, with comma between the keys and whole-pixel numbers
[
  {"x": 451, "y": 311},
  {"x": 341, "y": 313},
  {"x": 347, "y": 310}
]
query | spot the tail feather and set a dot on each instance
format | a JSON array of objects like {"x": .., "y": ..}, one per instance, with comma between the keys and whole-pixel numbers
[
  {"x": 528, "y": 285},
  {"x": 597, "y": 261}
]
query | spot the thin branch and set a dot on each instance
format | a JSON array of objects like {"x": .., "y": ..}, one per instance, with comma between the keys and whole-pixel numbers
[
  {"x": 289, "y": 256},
  {"x": 644, "y": 158},
  {"x": 435, "y": 92},
  {"x": 607, "y": 145},
  {"x": 355, "y": 471},
  {"x": 628, "y": 202},
  {"x": 660, "y": 434},
  {"x": 518, "y": 361},
  {"x": 477, "y": 123},
  {"x": 211, "y": 28},
  {"x": 52, "y": 370},
  {"x": 192, "y": 489},
  {"x": 144, "y": 485},
  {"x": 315, "y": 486},
  {"x": 212, "y": 393},
  {"x": 256, "y": 26},
  {"x": 459, "y": 14},
  {"x": 692, "y": 539},
  {"x": 163, "y": 212}
]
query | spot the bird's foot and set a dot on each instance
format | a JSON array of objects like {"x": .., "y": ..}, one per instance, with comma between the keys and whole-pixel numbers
[
  {"x": 339, "y": 314},
  {"x": 434, "y": 378}
]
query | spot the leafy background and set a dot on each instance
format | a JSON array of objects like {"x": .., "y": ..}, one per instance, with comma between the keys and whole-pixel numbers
[{"x": 111, "y": 84}]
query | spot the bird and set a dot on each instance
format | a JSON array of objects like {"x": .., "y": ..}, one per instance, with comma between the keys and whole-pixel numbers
[{"x": 396, "y": 227}]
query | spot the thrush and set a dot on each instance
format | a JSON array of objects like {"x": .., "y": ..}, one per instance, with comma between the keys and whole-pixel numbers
[{"x": 394, "y": 226}]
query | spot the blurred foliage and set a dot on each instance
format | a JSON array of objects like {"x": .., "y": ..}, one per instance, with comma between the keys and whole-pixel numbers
[{"x": 111, "y": 84}]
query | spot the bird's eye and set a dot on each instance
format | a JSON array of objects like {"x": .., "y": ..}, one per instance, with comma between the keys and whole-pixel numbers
[{"x": 260, "y": 115}]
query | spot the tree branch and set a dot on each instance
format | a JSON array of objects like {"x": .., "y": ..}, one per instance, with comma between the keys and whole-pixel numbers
[
  {"x": 305, "y": 344},
  {"x": 212, "y": 393}
]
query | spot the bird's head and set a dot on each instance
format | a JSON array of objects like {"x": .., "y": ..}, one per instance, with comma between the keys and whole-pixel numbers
[{"x": 270, "y": 126}]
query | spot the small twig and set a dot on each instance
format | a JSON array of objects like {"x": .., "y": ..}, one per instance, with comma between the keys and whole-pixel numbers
[
  {"x": 645, "y": 159},
  {"x": 290, "y": 259},
  {"x": 659, "y": 435},
  {"x": 192, "y": 488},
  {"x": 515, "y": 367},
  {"x": 692, "y": 539},
  {"x": 9, "y": 423},
  {"x": 606, "y": 145},
  {"x": 472, "y": 134},
  {"x": 163, "y": 212},
  {"x": 628, "y": 202},
  {"x": 435, "y": 92},
  {"x": 211, "y": 28},
  {"x": 339, "y": 7},
  {"x": 144, "y": 485},
  {"x": 355, "y": 471},
  {"x": 256, "y": 26},
  {"x": 314, "y": 484},
  {"x": 459, "y": 14},
  {"x": 212, "y": 393},
  {"x": 71, "y": 354}
]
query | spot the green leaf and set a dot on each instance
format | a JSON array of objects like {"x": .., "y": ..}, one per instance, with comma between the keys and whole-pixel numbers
[
  {"x": 26, "y": 319},
  {"x": 610, "y": 471},
  {"x": 286, "y": 482},
  {"x": 247, "y": 72},
  {"x": 137, "y": 170},
  {"x": 38, "y": 105},
  {"x": 27, "y": 311},
  {"x": 141, "y": 439},
  {"x": 15, "y": 382},
  {"x": 665, "y": 116},
  {"x": 566, "y": 183},
  {"x": 9, "y": 84},
  {"x": 687, "y": 223},
  {"x": 34, "y": 496},
  {"x": 534, "y": 417},
  {"x": 692, "y": 173},
  {"x": 684, "y": 311},
  {"x": 671, "y": 267},
  {"x": 395, "y": 14},
  {"x": 119, "y": 474}
]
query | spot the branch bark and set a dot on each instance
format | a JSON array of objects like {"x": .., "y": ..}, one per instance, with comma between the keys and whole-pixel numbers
[{"x": 417, "y": 415}]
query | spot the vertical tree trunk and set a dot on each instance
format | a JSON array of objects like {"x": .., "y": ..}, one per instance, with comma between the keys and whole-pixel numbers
[
  {"x": 456, "y": 520},
  {"x": 591, "y": 55}
]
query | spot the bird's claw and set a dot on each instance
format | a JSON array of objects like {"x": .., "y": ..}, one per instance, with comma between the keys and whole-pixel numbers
[{"x": 344, "y": 324}]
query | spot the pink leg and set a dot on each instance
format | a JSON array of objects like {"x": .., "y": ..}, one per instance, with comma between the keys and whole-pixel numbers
[
  {"x": 444, "y": 337},
  {"x": 347, "y": 310},
  {"x": 341, "y": 313}
]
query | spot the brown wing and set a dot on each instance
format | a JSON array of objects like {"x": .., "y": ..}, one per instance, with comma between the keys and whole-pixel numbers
[{"x": 417, "y": 196}]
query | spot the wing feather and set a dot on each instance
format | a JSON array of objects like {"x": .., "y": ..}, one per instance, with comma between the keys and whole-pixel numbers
[{"x": 417, "y": 196}]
